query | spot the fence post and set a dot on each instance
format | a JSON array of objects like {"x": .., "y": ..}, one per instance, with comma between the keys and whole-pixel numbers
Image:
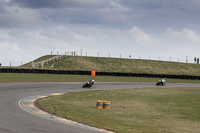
[{"x": 186, "y": 59}]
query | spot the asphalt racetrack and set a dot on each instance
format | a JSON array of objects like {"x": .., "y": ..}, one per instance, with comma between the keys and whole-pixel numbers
[{"x": 14, "y": 119}]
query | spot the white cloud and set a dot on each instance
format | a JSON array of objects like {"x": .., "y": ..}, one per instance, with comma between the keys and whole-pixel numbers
[
  {"x": 184, "y": 35},
  {"x": 116, "y": 6},
  {"x": 9, "y": 46},
  {"x": 35, "y": 34},
  {"x": 5, "y": 34},
  {"x": 140, "y": 36}
]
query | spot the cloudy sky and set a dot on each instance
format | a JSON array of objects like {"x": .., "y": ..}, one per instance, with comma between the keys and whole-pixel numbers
[{"x": 158, "y": 29}]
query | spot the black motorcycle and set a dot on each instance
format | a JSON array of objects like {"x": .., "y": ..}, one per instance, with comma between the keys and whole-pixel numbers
[
  {"x": 160, "y": 83},
  {"x": 87, "y": 85}
]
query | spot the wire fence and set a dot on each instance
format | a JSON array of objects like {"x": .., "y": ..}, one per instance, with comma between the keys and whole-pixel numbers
[{"x": 185, "y": 59}]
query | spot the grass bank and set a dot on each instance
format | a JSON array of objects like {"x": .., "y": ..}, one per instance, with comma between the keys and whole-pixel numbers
[
  {"x": 146, "y": 110},
  {"x": 101, "y": 64}
]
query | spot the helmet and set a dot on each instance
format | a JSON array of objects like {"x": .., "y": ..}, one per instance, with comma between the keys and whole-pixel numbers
[{"x": 93, "y": 80}]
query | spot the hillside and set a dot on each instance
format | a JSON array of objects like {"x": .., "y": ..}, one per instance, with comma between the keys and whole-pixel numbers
[
  {"x": 124, "y": 65},
  {"x": 28, "y": 65}
]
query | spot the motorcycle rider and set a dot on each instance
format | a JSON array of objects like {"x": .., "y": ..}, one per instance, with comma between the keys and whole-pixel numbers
[
  {"x": 164, "y": 80},
  {"x": 91, "y": 82}
]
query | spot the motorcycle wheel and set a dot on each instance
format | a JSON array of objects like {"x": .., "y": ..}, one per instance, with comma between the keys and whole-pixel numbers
[{"x": 84, "y": 86}]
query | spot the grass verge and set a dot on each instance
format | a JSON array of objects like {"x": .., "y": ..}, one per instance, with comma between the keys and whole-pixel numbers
[
  {"x": 146, "y": 110},
  {"x": 15, "y": 77}
]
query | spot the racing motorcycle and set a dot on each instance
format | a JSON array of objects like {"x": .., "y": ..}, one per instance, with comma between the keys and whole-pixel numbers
[
  {"x": 88, "y": 84},
  {"x": 160, "y": 83}
]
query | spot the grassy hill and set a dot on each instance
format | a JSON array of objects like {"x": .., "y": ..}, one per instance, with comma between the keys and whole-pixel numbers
[
  {"x": 37, "y": 60},
  {"x": 101, "y": 64}
]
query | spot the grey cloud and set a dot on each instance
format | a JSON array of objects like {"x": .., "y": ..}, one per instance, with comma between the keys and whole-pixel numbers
[
  {"x": 19, "y": 18},
  {"x": 114, "y": 13},
  {"x": 3, "y": 5},
  {"x": 60, "y": 11},
  {"x": 59, "y": 3},
  {"x": 39, "y": 3},
  {"x": 182, "y": 5},
  {"x": 102, "y": 24}
]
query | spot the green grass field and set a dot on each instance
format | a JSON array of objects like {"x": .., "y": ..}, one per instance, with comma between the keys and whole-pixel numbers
[{"x": 139, "y": 110}]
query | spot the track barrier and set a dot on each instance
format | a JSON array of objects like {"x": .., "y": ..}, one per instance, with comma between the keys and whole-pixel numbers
[
  {"x": 106, "y": 104},
  {"x": 102, "y": 104},
  {"x": 94, "y": 73},
  {"x": 99, "y": 104}
]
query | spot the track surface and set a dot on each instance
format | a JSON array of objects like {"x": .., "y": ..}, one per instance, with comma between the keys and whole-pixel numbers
[{"x": 15, "y": 120}]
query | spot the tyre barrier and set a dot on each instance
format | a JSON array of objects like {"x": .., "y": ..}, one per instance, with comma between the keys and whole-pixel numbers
[
  {"x": 80, "y": 72},
  {"x": 106, "y": 104},
  {"x": 102, "y": 104},
  {"x": 99, "y": 104}
]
